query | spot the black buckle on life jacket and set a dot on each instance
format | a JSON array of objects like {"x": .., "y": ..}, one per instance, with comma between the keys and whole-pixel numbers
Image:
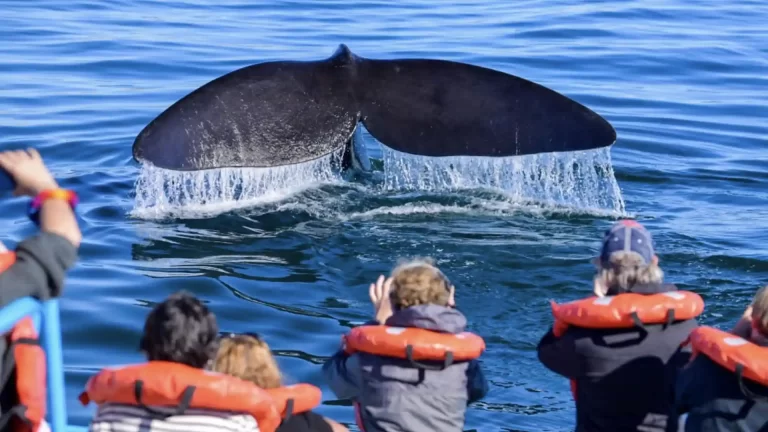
[
  {"x": 181, "y": 408},
  {"x": 447, "y": 362}
]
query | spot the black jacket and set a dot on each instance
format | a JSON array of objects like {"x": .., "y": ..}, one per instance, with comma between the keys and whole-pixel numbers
[
  {"x": 711, "y": 396},
  {"x": 624, "y": 378},
  {"x": 305, "y": 422}
]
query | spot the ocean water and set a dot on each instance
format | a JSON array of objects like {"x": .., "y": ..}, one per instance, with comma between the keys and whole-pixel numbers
[{"x": 683, "y": 82}]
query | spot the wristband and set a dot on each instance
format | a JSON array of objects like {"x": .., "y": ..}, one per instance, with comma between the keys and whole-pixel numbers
[{"x": 64, "y": 194}]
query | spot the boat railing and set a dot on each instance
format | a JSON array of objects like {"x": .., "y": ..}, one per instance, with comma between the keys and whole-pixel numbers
[{"x": 45, "y": 316}]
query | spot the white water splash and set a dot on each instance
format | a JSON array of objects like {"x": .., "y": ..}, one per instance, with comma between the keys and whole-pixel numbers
[
  {"x": 583, "y": 180},
  {"x": 161, "y": 193}
]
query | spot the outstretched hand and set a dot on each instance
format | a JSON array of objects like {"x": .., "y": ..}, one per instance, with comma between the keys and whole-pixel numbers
[
  {"x": 27, "y": 169},
  {"x": 379, "y": 293}
]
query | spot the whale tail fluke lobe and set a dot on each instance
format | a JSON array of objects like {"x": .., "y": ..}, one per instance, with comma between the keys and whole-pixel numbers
[{"x": 281, "y": 113}]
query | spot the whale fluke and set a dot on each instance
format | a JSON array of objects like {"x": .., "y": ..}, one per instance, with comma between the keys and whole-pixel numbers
[{"x": 288, "y": 112}]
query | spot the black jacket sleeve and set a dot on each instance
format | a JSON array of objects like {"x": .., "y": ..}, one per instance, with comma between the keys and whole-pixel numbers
[
  {"x": 559, "y": 355},
  {"x": 477, "y": 384},
  {"x": 40, "y": 268},
  {"x": 687, "y": 384}
]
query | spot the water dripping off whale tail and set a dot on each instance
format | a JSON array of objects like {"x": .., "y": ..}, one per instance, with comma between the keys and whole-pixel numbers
[{"x": 288, "y": 112}]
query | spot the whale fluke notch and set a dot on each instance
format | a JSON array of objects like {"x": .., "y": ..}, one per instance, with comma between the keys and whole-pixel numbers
[{"x": 287, "y": 112}]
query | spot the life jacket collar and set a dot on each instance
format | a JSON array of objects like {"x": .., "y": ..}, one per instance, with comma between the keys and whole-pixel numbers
[
  {"x": 626, "y": 310},
  {"x": 414, "y": 345},
  {"x": 744, "y": 358},
  {"x": 169, "y": 384}
]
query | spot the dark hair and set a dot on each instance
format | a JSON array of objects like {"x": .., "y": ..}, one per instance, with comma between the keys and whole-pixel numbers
[{"x": 181, "y": 330}]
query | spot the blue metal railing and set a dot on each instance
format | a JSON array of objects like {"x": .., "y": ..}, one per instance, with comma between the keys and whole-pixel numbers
[{"x": 45, "y": 315}]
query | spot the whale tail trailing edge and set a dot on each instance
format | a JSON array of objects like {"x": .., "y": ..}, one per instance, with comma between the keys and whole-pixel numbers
[{"x": 281, "y": 113}]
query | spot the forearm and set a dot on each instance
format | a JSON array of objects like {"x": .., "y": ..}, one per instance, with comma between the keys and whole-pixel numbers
[{"x": 57, "y": 217}]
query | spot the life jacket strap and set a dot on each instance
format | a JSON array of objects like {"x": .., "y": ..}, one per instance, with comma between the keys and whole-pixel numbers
[
  {"x": 636, "y": 318},
  {"x": 670, "y": 317},
  {"x": 19, "y": 411},
  {"x": 447, "y": 362},
  {"x": 289, "y": 407},
  {"x": 181, "y": 408},
  {"x": 9, "y": 363}
]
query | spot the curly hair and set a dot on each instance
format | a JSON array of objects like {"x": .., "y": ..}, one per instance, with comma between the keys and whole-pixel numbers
[
  {"x": 181, "y": 329},
  {"x": 249, "y": 359},
  {"x": 627, "y": 269},
  {"x": 419, "y": 282}
]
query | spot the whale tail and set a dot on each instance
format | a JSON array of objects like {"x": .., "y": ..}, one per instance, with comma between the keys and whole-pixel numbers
[{"x": 288, "y": 112}]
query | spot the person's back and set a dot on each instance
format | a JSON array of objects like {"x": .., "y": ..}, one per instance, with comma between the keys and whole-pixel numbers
[
  {"x": 112, "y": 417},
  {"x": 396, "y": 396},
  {"x": 713, "y": 396},
  {"x": 623, "y": 378},
  {"x": 407, "y": 394},
  {"x": 180, "y": 340}
]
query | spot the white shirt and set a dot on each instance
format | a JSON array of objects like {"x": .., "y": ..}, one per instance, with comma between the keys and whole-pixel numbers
[{"x": 129, "y": 418}]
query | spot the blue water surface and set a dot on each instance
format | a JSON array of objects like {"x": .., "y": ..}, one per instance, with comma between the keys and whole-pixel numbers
[{"x": 683, "y": 82}]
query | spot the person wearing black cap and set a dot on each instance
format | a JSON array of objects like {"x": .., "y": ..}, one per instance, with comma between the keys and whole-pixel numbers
[
  {"x": 622, "y": 379},
  {"x": 715, "y": 398}
]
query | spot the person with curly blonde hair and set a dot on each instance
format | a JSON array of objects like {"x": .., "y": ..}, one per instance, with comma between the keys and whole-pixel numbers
[
  {"x": 392, "y": 394},
  {"x": 248, "y": 357}
]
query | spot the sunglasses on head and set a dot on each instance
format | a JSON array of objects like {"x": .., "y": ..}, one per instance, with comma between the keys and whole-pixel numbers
[{"x": 234, "y": 335}]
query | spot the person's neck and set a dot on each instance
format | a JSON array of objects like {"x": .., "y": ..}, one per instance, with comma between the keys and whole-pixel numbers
[{"x": 649, "y": 288}]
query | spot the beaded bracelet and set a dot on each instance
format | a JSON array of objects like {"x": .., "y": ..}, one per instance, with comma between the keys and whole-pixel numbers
[{"x": 37, "y": 202}]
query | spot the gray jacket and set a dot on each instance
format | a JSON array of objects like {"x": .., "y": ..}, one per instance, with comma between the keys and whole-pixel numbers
[{"x": 391, "y": 395}]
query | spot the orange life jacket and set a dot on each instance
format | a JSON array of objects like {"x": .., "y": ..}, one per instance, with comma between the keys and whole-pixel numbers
[
  {"x": 168, "y": 384},
  {"x": 738, "y": 355},
  {"x": 29, "y": 363},
  {"x": 626, "y": 310},
  {"x": 295, "y": 399},
  {"x": 7, "y": 259},
  {"x": 413, "y": 344}
]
